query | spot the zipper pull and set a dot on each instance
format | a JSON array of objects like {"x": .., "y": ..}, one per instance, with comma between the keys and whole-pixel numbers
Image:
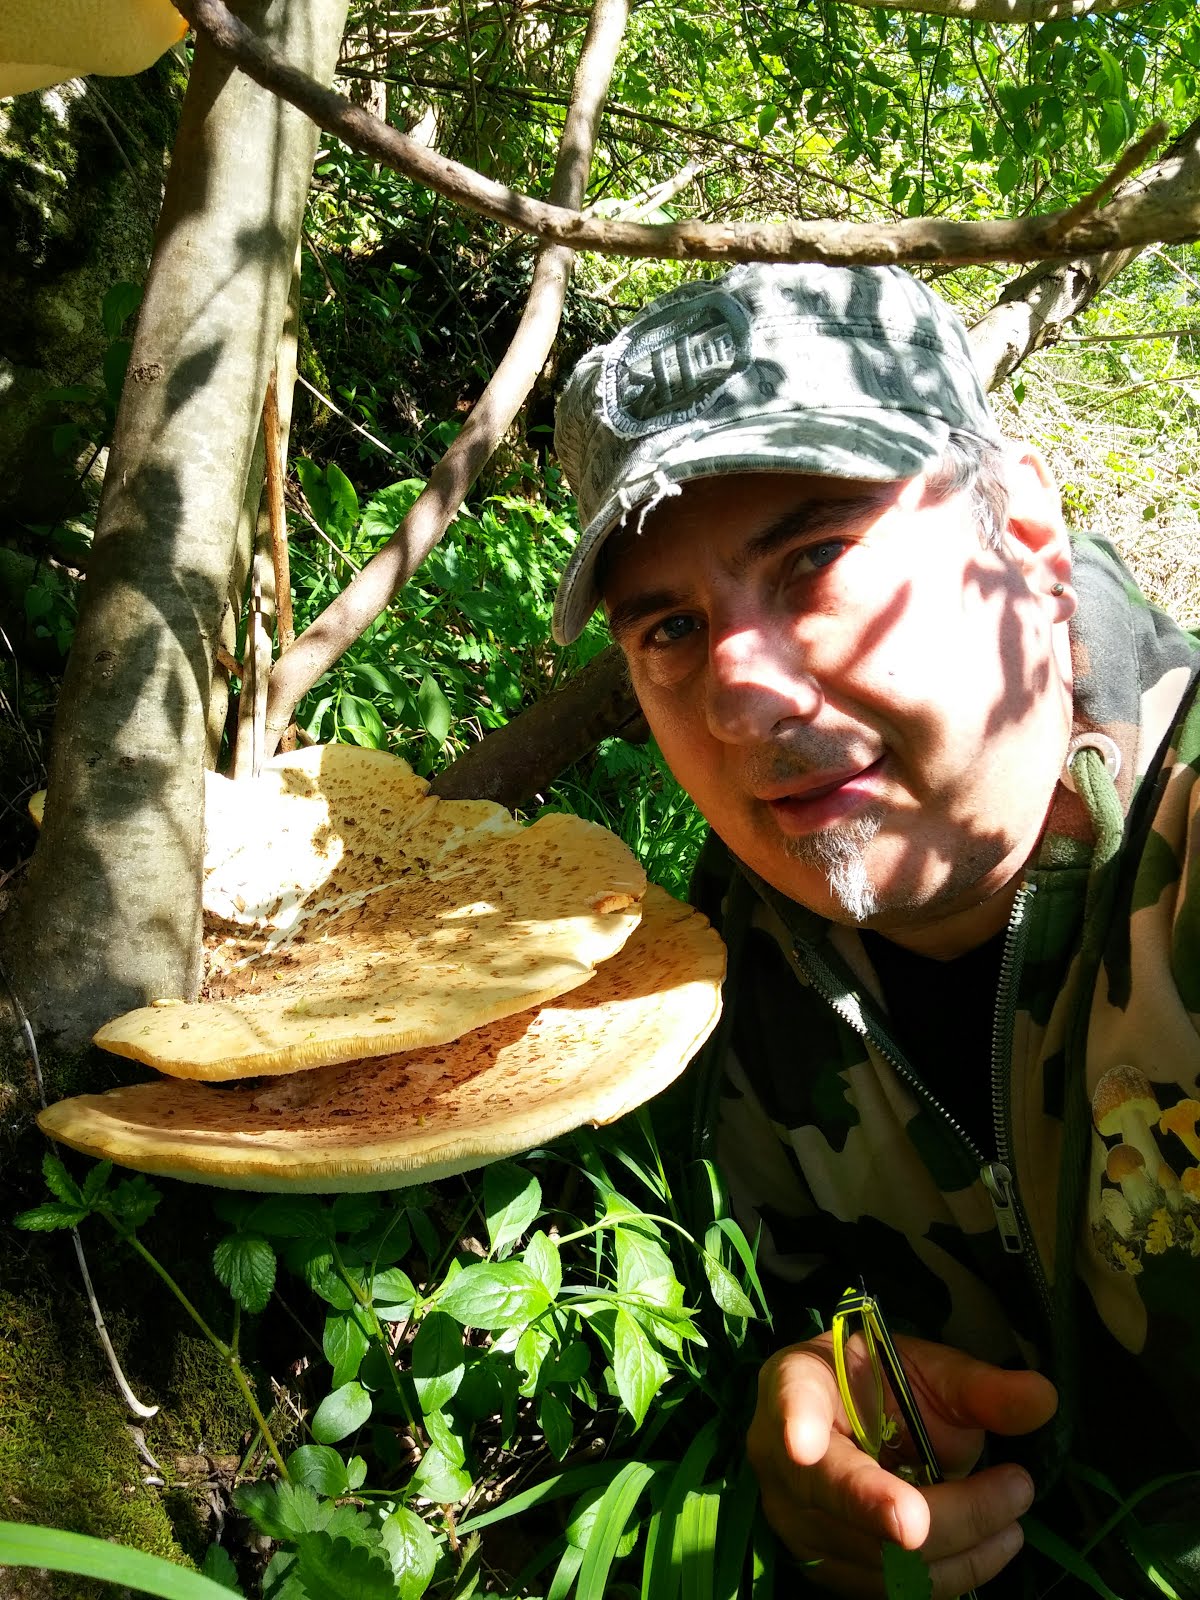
[{"x": 998, "y": 1182}]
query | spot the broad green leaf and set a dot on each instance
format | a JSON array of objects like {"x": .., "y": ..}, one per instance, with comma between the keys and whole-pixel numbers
[
  {"x": 434, "y": 710},
  {"x": 1008, "y": 175},
  {"x": 218, "y": 1566},
  {"x": 768, "y": 116},
  {"x": 905, "y": 1575},
  {"x": 438, "y": 1360},
  {"x": 412, "y": 1551},
  {"x": 613, "y": 1512},
  {"x": 439, "y": 1480},
  {"x": 638, "y": 1368},
  {"x": 312, "y": 1260},
  {"x": 320, "y": 1468},
  {"x": 245, "y": 1264},
  {"x": 569, "y": 1364},
  {"x": 134, "y": 1201},
  {"x": 494, "y": 1295},
  {"x": 642, "y": 1262},
  {"x": 385, "y": 511},
  {"x": 290, "y": 1216},
  {"x": 512, "y": 1199},
  {"x": 94, "y": 1183},
  {"x": 344, "y": 1344},
  {"x": 543, "y": 1260},
  {"x": 54, "y": 1214},
  {"x": 280, "y": 1510},
  {"x": 336, "y": 1569},
  {"x": 120, "y": 302},
  {"x": 340, "y": 1413},
  {"x": 554, "y": 1419},
  {"x": 342, "y": 493},
  {"x": 532, "y": 1348},
  {"x": 353, "y": 1212},
  {"x": 726, "y": 1290},
  {"x": 444, "y": 1439},
  {"x": 25, "y": 1545},
  {"x": 393, "y": 1295},
  {"x": 356, "y": 1472},
  {"x": 1112, "y": 130}
]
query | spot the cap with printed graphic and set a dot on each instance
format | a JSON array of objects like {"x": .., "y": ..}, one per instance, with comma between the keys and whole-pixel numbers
[{"x": 847, "y": 372}]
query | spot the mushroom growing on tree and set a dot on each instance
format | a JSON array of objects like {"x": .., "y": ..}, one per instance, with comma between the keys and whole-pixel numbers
[
  {"x": 1180, "y": 1119},
  {"x": 588, "y": 1056},
  {"x": 1124, "y": 1104},
  {"x": 352, "y": 914},
  {"x": 1127, "y": 1167},
  {"x": 48, "y": 41}
]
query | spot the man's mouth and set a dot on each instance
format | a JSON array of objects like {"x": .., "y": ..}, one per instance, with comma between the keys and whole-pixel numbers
[{"x": 810, "y": 804}]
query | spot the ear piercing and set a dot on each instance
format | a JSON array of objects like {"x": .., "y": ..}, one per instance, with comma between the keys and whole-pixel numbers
[{"x": 1057, "y": 589}]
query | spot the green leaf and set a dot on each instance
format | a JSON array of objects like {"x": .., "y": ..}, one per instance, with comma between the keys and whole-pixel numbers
[
  {"x": 1008, "y": 175},
  {"x": 542, "y": 1258},
  {"x": 768, "y": 116},
  {"x": 434, "y": 710},
  {"x": 512, "y": 1199},
  {"x": 393, "y": 1295},
  {"x": 320, "y": 1468},
  {"x": 726, "y": 1290},
  {"x": 533, "y": 1347},
  {"x": 218, "y": 1566},
  {"x": 60, "y": 1182},
  {"x": 444, "y": 1439},
  {"x": 980, "y": 148},
  {"x": 438, "y": 1360},
  {"x": 438, "y": 1479},
  {"x": 113, "y": 367},
  {"x": 280, "y": 1510},
  {"x": 342, "y": 493},
  {"x": 554, "y": 1419},
  {"x": 54, "y": 1214},
  {"x": 698, "y": 1542},
  {"x": 351, "y": 1213},
  {"x": 385, "y": 511},
  {"x": 337, "y": 1569},
  {"x": 312, "y": 1260},
  {"x": 345, "y": 1344},
  {"x": 245, "y": 1264},
  {"x": 121, "y": 301},
  {"x": 905, "y": 1575},
  {"x": 613, "y": 1512},
  {"x": 412, "y": 1551},
  {"x": 96, "y": 1181},
  {"x": 637, "y": 1366},
  {"x": 1112, "y": 130},
  {"x": 290, "y": 1216},
  {"x": 24, "y": 1545},
  {"x": 1039, "y": 1537},
  {"x": 341, "y": 1413},
  {"x": 134, "y": 1201},
  {"x": 494, "y": 1295}
]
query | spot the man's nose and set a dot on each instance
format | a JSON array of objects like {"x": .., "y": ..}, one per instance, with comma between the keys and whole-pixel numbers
[{"x": 757, "y": 680}]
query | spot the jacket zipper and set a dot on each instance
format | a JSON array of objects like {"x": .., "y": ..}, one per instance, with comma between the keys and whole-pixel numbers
[{"x": 1015, "y": 1232}]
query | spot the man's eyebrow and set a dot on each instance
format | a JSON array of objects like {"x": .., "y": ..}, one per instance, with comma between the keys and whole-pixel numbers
[
  {"x": 638, "y": 607},
  {"x": 813, "y": 516}
]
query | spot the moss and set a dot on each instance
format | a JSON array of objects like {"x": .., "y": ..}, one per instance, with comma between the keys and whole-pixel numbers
[{"x": 207, "y": 1414}]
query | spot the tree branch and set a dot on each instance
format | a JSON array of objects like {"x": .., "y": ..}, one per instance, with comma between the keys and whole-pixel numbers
[
  {"x": 320, "y": 645},
  {"x": 1170, "y": 214},
  {"x": 1000, "y": 10}
]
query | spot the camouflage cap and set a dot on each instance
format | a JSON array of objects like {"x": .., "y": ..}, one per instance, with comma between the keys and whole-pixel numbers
[{"x": 847, "y": 372}]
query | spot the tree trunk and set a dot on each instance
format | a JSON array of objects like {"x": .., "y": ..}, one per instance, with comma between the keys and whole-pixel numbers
[{"x": 109, "y": 916}]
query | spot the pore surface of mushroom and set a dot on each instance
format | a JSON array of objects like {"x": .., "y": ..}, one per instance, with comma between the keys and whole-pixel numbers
[
  {"x": 48, "y": 41},
  {"x": 1124, "y": 1104},
  {"x": 351, "y": 914},
  {"x": 588, "y": 1056}
]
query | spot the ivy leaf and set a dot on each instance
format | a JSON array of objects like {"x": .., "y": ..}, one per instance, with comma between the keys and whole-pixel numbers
[
  {"x": 341, "y": 1413},
  {"x": 638, "y": 1368},
  {"x": 336, "y": 1569},
  {"x": 494, "y": 1295},
  {"x": 280, "y": 1510},
  {"x": 905, "y": 1575},
  {"x": 554, "y": 1419},
  {"x": 60, "y": 1182},
  {"x": 439, "y": 1480},
  {"x": 245, "y": 1264},
  {"x": 344, "y": 1344},
  {"x": 412, "y": 1551},
  {"x": 320, "y": 1468},
  {"x": 438, "y": 1360},
  {"x": 512, "y": 1199}
]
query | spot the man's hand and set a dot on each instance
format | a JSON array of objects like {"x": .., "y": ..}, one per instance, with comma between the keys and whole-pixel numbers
[{"x": 830, "y": 1502}]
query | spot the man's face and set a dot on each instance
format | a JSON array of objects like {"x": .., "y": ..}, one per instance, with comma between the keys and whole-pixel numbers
[{"x": 869, "y": 706}]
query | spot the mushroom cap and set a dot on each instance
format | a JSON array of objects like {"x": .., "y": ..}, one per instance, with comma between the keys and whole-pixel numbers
[
  {"x": 1125, "y": 1162},
  {"x": 1121, "y": 1090},
  {"x": 1181, "y": 1117},
  {"x": 351, "y": 914},
  {"x": 48, "y": 41},
  {"x": 589, "y": 1056}
]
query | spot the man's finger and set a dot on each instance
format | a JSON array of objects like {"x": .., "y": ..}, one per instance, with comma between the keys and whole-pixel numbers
[
  {"x": 958, "y": 1574},
  {"x": 968, "y": 1513},
  {"x": 967, "y": 1393},
  {"x": 852, "y": 1487},
  {"x": 806, "y": 1399}
]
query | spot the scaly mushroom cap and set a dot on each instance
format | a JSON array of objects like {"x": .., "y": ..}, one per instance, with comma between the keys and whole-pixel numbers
[
  {"x": 1121, "y": 1090},
  {"x": 47, "y": 41},
  {"x": 354, "y": 915},
  {"x": 590, "y": 1056}
]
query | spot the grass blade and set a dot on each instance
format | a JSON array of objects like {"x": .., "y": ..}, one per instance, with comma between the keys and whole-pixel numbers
[
  {"x": 662, "y": 1566},
  {"x": 615, "y": 1510},
  {"x": 564, "y": 1573},
  {"x": 1040, "y": 1538},
  {"x": 573, "y": 1482},
  {"x": 698, "y": 1542},
  {"x": 733, "y": 1535},
  {"x": 22, "y": 1545}
]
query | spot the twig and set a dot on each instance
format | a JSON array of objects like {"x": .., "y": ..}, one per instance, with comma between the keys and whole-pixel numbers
[
  {"x": 1172, "y": 214},
  {"x": 285, "y": 630},
  {"x": 357, "y": 426},
  {"x": 1146, "y": 333},
  {"x": 302, "y": 509},
  {"x": 1125, "y": 168},
  {"x": 122, "y": 1382}
]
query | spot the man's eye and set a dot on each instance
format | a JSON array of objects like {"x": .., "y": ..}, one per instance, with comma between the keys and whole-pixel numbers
[
  {"x": 671, "y": 629},
  {"x": 816, "y": 556}
]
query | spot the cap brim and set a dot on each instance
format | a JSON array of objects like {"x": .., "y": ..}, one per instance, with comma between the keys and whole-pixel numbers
[{"x": 875, "y": 446}]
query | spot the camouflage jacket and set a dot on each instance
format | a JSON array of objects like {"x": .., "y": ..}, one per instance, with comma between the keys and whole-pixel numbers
[{"x": 1086, "y": 1215}]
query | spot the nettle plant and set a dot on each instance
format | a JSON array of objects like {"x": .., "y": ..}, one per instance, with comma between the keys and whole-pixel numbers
[{"x": 586, "y": 1365}]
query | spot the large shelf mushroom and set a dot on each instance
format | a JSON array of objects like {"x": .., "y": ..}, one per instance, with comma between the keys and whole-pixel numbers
[
  {"x": 297, "y": 866},
  {"x": 43, "y": 43}
]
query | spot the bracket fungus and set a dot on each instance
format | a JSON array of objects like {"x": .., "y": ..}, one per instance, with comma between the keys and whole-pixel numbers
[
  {"x": 415, "y": 987},
  {"x": 588, "y": 1056},
  {"x": 44, "y": 43},
  {"x": 352, "y": 914}
]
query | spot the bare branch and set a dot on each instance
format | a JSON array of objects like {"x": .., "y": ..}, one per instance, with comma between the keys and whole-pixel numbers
[
  {"x": 1170, "y": 214},
  {"x": 315, "y": 651},
  {"x": 1000, "y": 10}
]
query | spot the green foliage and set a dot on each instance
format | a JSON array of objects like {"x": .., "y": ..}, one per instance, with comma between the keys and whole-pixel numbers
[{"x": 79, "y": 1553}]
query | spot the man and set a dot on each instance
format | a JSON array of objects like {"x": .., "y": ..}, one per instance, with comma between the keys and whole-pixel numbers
[{"x": 948, "y": 769}]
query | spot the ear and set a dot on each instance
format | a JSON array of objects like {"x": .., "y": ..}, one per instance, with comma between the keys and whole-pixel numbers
[{"x": 1035, "y": 531}]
